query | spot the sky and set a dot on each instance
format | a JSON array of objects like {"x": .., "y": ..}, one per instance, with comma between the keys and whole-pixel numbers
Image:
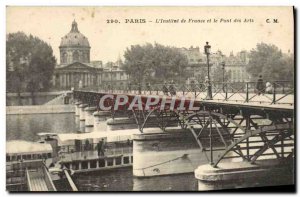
[{"x": 109, "y": 40}]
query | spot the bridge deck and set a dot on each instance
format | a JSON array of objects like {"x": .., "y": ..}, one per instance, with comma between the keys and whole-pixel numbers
[{"x": 252, "y": 105}]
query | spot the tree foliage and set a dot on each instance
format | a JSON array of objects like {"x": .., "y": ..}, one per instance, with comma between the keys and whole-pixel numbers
[
  {"x": 29, "y": 64},
  {"x": 267, "y": 60},
  {"x": 154, "y": 63}
]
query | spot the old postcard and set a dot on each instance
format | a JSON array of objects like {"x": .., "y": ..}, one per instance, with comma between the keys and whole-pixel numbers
[{"x": 149, "y": 98}]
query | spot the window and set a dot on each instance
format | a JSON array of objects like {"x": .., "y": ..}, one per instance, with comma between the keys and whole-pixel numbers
[
  {"x": 126, "y": 160},
  {"x": 110, "y": 161},
  {"x": 75, "y": 166},
  {"x": 131, "y": 159},
  {"x": 75, "y": 56},
  {"x": 118, "y": 161},
  {"x": 101, "y": 163},
  {"x": 84, "y": 165},
  {"x": 7, "y": 158},
  {"x": 93, "y": 164},
  {"x": 65, "y": 58},
  {"x": 27, "y": 157}
]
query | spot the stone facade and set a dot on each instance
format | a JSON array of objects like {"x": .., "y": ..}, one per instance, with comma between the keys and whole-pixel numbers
[{"x": 235, "y": 65}]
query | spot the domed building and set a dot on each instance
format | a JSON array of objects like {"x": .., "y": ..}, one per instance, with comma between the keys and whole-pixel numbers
[
  {"x": 75, "y": 69},
  {"x": 74, "y": 47}
]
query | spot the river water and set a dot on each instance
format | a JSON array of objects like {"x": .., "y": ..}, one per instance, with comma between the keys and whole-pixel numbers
[{"x": 25, "y": 127}]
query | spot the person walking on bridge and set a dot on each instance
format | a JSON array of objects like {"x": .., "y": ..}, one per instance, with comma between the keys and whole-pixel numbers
[
  {"x": 269, "y": 88},
  {"x": 148, "y": 86},
  {"x": 172, "y": 88},
  {"x": 129, "y": 87},
  {"x": 165, "y": 88},
  {"x": 260, "y": 86},
  {"x": 139, "y": 87}
]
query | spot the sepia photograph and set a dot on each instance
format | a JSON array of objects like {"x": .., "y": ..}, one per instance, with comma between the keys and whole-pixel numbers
[{"x": 150, "y": 98}]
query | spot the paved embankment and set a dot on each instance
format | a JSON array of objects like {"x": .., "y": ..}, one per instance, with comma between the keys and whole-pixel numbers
[{"x": 39, "y": 109}]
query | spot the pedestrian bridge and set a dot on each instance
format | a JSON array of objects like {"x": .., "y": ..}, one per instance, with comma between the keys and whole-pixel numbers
[{"x": 249, "y": 124}]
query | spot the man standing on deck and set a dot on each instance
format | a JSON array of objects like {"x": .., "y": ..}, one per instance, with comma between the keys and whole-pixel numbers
[{"x": 101, "y": 147}]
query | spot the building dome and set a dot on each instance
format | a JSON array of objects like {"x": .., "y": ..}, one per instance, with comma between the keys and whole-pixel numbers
[
  {"x": 74, "y": 38},
  {"x": 74, "y": 47}
]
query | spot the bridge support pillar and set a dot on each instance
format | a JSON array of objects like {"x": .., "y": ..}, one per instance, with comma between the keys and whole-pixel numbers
[
  {"x": 241, "y": 172},
  {"x": 100, "y": 120},
  {"x": 165, "y": 153},
  {"x": 77, "y": 109},
  {"x": 89, "y": 118},
  {"x": 81, "y": 112}
]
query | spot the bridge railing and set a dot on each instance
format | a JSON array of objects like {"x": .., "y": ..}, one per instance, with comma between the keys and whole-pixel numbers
[{"x": 272, "y": 93}]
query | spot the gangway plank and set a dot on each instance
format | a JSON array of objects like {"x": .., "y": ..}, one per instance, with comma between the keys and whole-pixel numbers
[{"x": 39, "y": 180}]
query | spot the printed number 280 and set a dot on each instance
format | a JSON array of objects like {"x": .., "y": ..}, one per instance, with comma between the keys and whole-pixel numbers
[{"x": 112, "y": 21}]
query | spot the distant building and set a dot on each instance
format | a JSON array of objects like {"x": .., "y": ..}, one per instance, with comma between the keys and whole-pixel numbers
[
  {"x": 236, "y": 66},
  {"x": 76, "y": 70},
  {"x": 114, "y": 75},
  {"x": 196, "y": 63}
]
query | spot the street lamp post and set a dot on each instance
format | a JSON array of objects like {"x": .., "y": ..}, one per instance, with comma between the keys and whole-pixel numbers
[
  {"x": 207, "y": 52},
  {"x": 223, "y": 68}
]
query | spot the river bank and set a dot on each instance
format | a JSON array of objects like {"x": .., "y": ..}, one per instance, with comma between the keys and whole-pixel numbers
[{"x": 39, "y": 109}]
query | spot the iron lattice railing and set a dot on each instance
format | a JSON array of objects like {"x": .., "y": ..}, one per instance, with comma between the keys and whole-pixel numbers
[{"x": 278, "y": 92}]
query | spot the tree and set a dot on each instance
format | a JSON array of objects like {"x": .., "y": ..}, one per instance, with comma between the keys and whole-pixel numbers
[
  {"x": 267, "y": 60},
  {"x": 154, "y": 63},
  {"x": 29, "y": 64}
]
